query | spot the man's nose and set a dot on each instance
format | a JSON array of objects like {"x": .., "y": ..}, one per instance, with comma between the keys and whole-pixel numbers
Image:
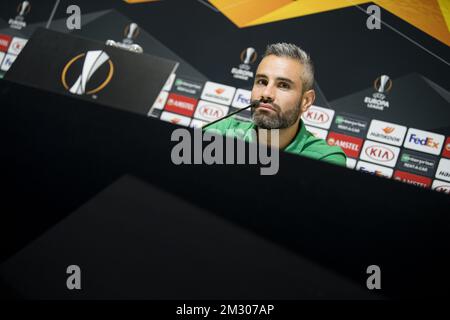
[{"x": 268, "y": 93}]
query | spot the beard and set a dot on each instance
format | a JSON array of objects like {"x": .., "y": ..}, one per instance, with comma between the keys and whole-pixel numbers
[{"x": 277, "y": 119}]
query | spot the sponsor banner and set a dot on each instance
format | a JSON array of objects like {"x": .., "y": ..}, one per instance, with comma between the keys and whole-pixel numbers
[
  {"x": 424, "y": 141},
  {"x": 160, "y": 101},
  {"x": 219, "y": 93},
  {"x": 5, "y": 40},
  {"x": 350, "y": 145},
  {"x": 351, "y": 163},
  {"x": 318, "y": 117},
  {"x": 169, "y": 82},
  {"x": 197, "y": 123},
  {"x": 155, "y": 113},
  {"x": 374, "y": 169},
  {"x": 16, "y": 46},
  {"x": 245, "y": 115},
  {"x": 316, "y": 132},
  {"x": 418, "y": 163},
  {"x": 413, "y": 179},
  {"x": 242, "y": 99},
  {"x": 443, "y": 170},
  {"x": 446, "y": 149},
  {"x": 175, "y": 118},
  {"x": 386, "y": 132},
  {"x": 8, "y": 61},
  {"x": 209, "y": 111},
  {"x": 441, "y": 186},
  {"x": 351, "y": 125},
  {"x": 188, "y": 87},
  {"x": 379, "y": 153},
  {"x": 180, "y": 104}
]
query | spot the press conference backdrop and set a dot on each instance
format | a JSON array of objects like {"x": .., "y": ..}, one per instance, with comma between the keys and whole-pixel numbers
[{"x": 382, "y": 95}]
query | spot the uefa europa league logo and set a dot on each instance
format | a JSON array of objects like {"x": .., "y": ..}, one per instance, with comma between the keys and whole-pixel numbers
[
  {"x": 383, "y": 84},
  {"x": 248, "y": 56},
  {"x": 19, "y": 21},
  {"x": 23, "y": 9},
  {"x": 93, "y": 60},
  {"x": 243, "y": 72},
  {"x": 378, "y": 101},
  {"x": 131, "y": 32}
]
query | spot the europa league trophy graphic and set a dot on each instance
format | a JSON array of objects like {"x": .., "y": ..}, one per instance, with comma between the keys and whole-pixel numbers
[
  {"x": 243, "y": 72},
  {"x": 383, "y": 82},
  {"x": 383, "y": 85},
  {"x": 131, "y": 32},
  {"x": 248, "y": 55},
  {"x": 19, "y": 21},
  {"x": 378, "y": 100}
]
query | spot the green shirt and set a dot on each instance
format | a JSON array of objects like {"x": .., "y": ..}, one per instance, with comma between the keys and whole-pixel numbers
[{"x": 304, "y": 144}]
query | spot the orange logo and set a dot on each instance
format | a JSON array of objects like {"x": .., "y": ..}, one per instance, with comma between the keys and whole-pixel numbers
[
  {"x": 220, "y": 90},
  {"x": 388, "y": 130}
]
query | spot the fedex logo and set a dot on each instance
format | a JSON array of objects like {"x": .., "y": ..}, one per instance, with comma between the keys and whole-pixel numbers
[
  {"x": 242, "y": 98},
  {"x": 424, "y": 141},
  {"x": 374, "y": 169}
]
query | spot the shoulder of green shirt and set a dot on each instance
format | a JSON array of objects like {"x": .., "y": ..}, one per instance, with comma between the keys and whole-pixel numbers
[
  {"x": 319, "y": 149},
  {"x": 313, "y": 147}
]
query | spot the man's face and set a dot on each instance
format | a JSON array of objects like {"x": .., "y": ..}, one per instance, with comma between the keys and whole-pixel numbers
[{"x": 278, "y": 84}]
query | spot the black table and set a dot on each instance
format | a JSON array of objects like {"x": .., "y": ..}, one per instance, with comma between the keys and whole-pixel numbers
[{"x": 64, "y": 158}]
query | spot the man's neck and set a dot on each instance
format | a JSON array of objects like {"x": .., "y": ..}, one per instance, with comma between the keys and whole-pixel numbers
[{"x": 286, "y": 135}]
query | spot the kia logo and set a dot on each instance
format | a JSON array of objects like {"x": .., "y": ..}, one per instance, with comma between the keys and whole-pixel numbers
[
  {"x": 317, "y": 116},
  {"x": 211, "y": 112},
  {"x": 380, "y": 153},
  {"x": 444, "y": 188}
]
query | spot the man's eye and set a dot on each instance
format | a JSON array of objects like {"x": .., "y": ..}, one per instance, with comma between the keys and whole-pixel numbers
[
  {"x": 284, "y": 85},
  {"x": 261, "y": 81}
]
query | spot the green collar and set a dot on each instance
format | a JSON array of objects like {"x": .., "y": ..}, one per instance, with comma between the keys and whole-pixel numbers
[{"x": 296, "y": 144}]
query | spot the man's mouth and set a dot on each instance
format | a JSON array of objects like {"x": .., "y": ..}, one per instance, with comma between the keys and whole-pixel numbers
[{"x": 266, "y": 106}]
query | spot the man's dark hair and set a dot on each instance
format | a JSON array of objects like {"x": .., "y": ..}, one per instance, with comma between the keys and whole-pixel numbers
[{"x": 292, "y": 51}]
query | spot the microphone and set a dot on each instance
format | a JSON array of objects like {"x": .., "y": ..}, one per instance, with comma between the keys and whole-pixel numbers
[{"x": 253, "y": 104}]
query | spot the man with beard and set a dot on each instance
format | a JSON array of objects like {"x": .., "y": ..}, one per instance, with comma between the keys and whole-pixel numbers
[{"x": 284, "y": 87}]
